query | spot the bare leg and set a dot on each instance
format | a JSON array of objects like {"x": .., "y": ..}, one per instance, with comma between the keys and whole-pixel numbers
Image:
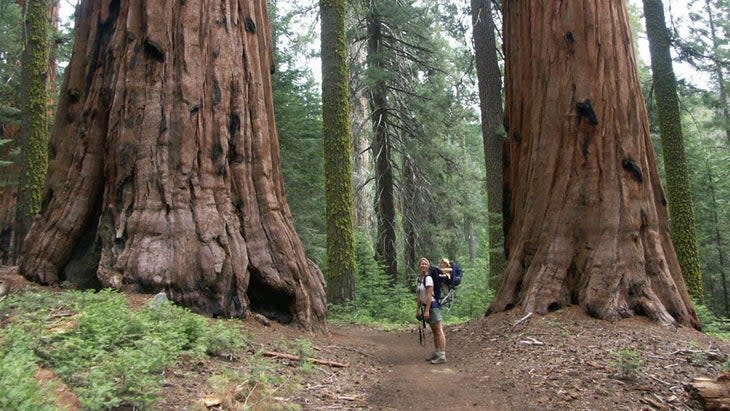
[{"x": 439, "y": 339}]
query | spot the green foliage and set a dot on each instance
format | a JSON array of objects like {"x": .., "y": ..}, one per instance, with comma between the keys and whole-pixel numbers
[
  {"x": 708, "y": 156},
  {"x": 19, "y": 390},
  {"x": 299, "y": 122},
  {"x": 304, "y": 349},
  {"x": 109, "y": 355},
  {"x": 377, "y": 301},
  {"x": 11, "y": 49},
  {"x": 711, "y": 324},
  {"x": 627, "y": 362},
  {"x": 10, "y": 53}
]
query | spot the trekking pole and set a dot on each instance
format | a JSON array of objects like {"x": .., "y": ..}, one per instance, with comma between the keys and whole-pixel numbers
[{"x": 421, "y": 327}]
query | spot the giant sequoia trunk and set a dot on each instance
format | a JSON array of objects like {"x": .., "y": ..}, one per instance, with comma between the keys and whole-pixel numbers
[
  {"x": 587, "y": 221},
  {"x": 166, "y": 172}
]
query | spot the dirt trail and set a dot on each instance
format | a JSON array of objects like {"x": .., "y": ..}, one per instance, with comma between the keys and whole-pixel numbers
[
  {"x": 562, "y": 361},
  {"x": 405, "y": 381}
]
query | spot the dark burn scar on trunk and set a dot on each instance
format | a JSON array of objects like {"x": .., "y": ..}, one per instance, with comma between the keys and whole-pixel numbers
[
  {"x": 585, "y": 109},
  {"x": 250, "y": 25},
  {"x": 633, "y": 169},
  {"x": 194, "y": 109},
  {"x": 74, "y": 95},
  {"x": 217, "y": 96},
  {"x": 153, "y": 50}
]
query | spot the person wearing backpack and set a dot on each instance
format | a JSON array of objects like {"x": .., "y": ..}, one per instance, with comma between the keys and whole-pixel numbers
[{"x": 428, "y": 294}]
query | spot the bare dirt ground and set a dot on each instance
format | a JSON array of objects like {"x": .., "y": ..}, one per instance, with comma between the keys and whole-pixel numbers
[{"x": 561, "y": 361}]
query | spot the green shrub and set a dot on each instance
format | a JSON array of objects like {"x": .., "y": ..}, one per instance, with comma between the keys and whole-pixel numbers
[
  {"x": 109, "y": 355},
  {"x": 627, "y": 362},
  {"x": 711, "y": 324},
  {"x": 19, "y": 389},
  {"x": 377, "y": 300}
]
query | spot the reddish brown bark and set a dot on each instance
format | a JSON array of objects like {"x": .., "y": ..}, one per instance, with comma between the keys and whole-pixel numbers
[
  {"x": 587, "y": 221},
  {"x": 8, "y": 193},
  {"x": 166, "y": 173}
]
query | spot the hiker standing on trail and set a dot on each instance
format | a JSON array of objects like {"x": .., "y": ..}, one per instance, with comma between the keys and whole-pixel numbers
[{"x": 429, "y": 308}]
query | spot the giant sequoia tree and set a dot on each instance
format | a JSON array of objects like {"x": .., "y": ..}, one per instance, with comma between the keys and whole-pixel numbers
[
  {"x": 166, "y": 166},
  {"x": 587, "y": 221}
]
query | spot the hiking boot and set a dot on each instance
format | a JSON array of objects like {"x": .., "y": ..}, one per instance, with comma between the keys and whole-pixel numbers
[
  {"x": 432, "y": 357},
  {"x": 440, "y": 359}
]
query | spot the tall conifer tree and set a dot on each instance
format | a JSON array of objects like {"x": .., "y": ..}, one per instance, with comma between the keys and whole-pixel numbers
[
  {"x": 338, "y": 153},
  {"x": 34, "y": 127},
  {"x": 490, "y": 101},
  {"x": 681, "y": 209}
]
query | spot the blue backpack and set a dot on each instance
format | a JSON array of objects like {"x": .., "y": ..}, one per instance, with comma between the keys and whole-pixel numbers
[{"x": 456, "y": 274}]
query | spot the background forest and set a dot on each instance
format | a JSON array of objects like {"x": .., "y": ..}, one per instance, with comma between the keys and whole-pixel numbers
[{"x": 427, "y": 197}]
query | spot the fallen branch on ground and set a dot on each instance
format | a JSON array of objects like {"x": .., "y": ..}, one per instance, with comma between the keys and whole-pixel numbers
[
  {"x": 658, "y": 380},
  {"x": 298, "y": 358},
  {"x": 710, "y": 353},
  {"x": 652, "y": 403},
  {"x": 523, "y": 319},
  {"x": 531, "y": 341}
]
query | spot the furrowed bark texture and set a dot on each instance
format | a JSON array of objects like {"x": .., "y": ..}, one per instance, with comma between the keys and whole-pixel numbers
[
  {"x": 587, "y": 221},
  {"x": 166, "y": 173}
]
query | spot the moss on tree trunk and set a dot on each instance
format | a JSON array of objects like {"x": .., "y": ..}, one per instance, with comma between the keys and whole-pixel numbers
[
  {"x": 337, "y": 153},
  {"x": 681, "y": 209},
  {"x": 34, "y": 128}
]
